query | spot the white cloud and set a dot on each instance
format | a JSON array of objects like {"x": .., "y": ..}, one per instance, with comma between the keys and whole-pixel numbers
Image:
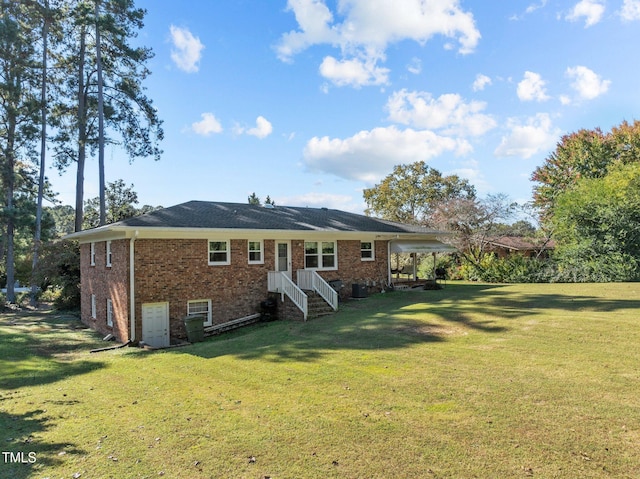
[
  {"x": 314, "y": 19},
  {"x": 262, "y": 129},
  {"x": 525, "y": 140},
  {"x": 415, "y": 66},
  {"x": 187, "y": 49},
  {"x": 532, "y": 87},
  {"x": 448, "y": 112},
  {"x": 587, "y": 83},
  {"x": 530, "y": 9},
  {"x": 472, "y": 171},
  {"x": 365, "y": 29},
  {"x": 208, "y": 125},
  {"x": 481, "y": 82},
  {"x": 370, "y": 155},
  {"x": 535, "y": 6},
  {"x": 630, "y": 10},
  {"x": 353, "y": 72},
  {"x": 590, "y": 10}
]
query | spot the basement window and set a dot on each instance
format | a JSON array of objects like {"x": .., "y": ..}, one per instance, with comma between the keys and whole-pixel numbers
[
  {"x": 200, "y": 307},
  {"x": 110, "y": 313},
  {"x": 94, "y": 314}
]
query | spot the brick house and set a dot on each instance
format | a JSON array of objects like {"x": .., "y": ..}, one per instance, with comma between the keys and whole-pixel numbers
[
  {"x": 504, "y": 246},
  {"x": 142, "y": 276}
]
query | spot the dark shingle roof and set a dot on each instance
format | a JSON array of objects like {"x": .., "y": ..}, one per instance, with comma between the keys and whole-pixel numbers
[{"x": 206, "y": 214}]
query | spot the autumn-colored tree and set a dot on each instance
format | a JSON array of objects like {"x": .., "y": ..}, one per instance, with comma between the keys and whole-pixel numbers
[{"x": 584, "y": 154}]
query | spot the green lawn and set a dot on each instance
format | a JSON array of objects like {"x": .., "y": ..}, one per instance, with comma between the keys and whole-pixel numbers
[{"x": 473, "y": 381}]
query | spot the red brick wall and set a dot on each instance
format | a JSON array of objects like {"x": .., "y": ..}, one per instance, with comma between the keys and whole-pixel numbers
[
  {"x": 177, "y": 271},
  {"x": 351, "y": 268},
  {"x": 106, "y": 282}
]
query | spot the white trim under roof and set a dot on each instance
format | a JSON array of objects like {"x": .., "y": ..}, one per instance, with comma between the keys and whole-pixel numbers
[
  {"x": 420, "y": 246},
  {"x": 115, "y": 232}
]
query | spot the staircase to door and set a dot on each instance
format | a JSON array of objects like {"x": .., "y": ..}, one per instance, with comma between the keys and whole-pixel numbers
[
  {"x": 317, "y": 306},
  {"x": 312, "y": 295}
]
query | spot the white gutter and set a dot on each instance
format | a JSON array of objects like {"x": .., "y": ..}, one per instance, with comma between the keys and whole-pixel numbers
[{"x": 132, "y": 288}]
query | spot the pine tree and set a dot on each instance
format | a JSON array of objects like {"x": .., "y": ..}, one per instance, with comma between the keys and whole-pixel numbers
[
  {"x": 105, "y": 62},
  {"x": 19, "y": 106}
]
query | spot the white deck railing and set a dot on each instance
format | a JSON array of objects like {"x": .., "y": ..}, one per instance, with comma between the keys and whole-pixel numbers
[
  {"x": 312, "y": 281},
  {"x": 279, "y": 282}
]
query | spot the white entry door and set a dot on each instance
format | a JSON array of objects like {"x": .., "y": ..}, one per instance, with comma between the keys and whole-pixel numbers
[
  {"x": 283, "y": 257},
  {"x": 155, "y": 324}
]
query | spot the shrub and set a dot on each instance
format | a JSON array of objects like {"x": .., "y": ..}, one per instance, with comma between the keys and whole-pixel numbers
[
  {"x": 60, "y": 268},
  {"x": 582, "y": 264}
]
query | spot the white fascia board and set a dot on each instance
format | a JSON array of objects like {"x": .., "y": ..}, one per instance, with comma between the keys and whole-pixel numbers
[{"x": 122, "y": 232}]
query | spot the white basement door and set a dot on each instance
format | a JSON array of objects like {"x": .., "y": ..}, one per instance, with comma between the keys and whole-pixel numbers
[{"x": 155, "y": 324}]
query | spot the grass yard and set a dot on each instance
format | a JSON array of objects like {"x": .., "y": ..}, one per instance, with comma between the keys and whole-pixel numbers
[{"x": 473, "y": 381}]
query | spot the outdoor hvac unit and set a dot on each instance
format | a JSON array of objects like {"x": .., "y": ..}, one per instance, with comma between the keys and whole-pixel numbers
[{"x": 359, "y": 290}]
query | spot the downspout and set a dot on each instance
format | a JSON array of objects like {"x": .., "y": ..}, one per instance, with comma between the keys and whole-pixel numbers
[
  {"x": 132, "y": 288},
  {"x": 389, "y": 278}
]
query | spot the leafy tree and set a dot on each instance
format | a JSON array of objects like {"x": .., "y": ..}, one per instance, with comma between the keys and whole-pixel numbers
[
  {"x": 521, "y": 228},
  {"x": 120, "y": 203},
  {"x": 597, "y": 224},
  {"x": 410, "y": 192},
  {"x": 60, "y": 268},
  {"x": 63, "y": 217},
  {"x": 584, "y": 154}
]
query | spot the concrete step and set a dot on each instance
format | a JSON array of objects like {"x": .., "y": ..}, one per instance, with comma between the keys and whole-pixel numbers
[{"x": 317, "y": 306}]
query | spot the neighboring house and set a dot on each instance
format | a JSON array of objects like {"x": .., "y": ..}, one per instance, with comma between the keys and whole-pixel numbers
[
  {"x": 142, "y": 276},
  {"x": 504, "y": 246}
]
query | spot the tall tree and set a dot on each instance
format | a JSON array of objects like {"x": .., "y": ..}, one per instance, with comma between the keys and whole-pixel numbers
[
  {"x": 18, "y": 115},
  {"x": 47, "y": 16},
  {"x": 101, "y": 181},
  {"x": 130, "y": 119},
  {"x": 584, "y": 154},
  {"x": 409, "y": 193}
]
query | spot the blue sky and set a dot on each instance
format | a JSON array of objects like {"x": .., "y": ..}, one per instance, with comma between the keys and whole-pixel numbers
[{"x": 310, "y": 101}]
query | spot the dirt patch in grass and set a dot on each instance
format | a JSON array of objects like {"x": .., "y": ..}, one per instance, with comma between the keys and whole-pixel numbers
[{"x": 431, "y": 330}]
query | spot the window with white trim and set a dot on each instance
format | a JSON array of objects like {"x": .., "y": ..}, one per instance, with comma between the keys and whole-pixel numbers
[
  {"x": 200, "y": 307},
  {"x": 94, "y": 314},
  {"x": 110, "y": 313},
  {"x": 367, "y": 251},
  {"x": 219, "y": 252},
  {"x": 92, "y": 253},
  {"x": 109, "y": 254},
  {"x": 255, "y": 252},
  {"x": 320, "y": 255}
]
